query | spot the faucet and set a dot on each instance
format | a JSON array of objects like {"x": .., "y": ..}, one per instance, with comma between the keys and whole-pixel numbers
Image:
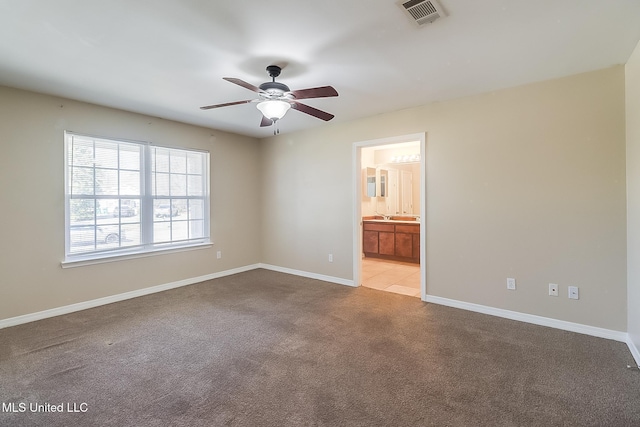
[{"x": 384, "y": 217}]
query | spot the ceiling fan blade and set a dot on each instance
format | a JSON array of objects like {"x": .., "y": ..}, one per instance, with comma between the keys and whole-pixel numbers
[
  {"x": 322, "y": 115},
  {"x": 243, "y": 84},
  {"x": 265, "y": 122},
  {"x": 314, "y": 92},
  {"x": 208, "y": 107}
]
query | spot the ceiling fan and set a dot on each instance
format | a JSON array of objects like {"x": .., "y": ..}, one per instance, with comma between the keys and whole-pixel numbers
[{"x": 275, "y": 98}]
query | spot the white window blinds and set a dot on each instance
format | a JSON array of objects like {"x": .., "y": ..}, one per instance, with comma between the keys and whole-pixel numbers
[{"x": 128, "y": 197}]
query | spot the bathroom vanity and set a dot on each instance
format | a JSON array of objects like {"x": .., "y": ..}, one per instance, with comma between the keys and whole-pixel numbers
[{"x": 397, "y": 240}]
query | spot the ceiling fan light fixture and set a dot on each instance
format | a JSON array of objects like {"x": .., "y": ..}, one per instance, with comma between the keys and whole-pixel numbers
[{"x": 273, "y": 109}]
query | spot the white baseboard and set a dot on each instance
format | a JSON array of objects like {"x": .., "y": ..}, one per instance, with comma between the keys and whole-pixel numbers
[
  {"x": 513, "y": 315},
  {"x": 307, "y": 274},
  {"x": 634, "y": 351},
  {"x": 18, "y": 320},
  {"x": 532, "y": 318}
]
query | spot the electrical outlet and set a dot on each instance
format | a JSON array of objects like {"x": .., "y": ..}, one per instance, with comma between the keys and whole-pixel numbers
[
  {"x": 511, "y": 284},
  {"x": 553, "y": 289},
  {"x": 573, "y": 292},
  {"x": 330, "y": 257},
  {"x": 219, "y": 254}
]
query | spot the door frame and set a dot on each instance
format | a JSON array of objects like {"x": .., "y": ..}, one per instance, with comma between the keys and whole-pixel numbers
[{"x": 357, "y": 203}]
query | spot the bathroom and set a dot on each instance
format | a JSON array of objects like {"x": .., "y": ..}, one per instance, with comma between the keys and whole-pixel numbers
[{"x": 391, "y": 218}]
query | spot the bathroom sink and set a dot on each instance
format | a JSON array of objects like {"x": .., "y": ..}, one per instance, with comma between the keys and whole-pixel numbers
[{"x": 402, "y": 218}]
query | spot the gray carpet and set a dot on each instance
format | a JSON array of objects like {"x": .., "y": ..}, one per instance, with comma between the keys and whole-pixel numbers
[{"x": 268, "y": 349}]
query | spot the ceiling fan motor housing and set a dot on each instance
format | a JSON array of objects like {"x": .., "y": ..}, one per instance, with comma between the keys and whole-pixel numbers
[{"x": 274, "y": 88}]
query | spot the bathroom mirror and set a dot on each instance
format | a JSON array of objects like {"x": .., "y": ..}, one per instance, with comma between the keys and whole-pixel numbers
[
  {"x": 370, "y": 189},
  {"x": 384, "y": 179}
]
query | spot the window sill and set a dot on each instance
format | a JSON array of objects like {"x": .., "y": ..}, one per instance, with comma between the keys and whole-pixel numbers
[{"x": 80, "y": 262}]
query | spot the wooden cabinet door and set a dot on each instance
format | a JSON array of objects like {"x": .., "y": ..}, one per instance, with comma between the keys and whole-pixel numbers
[
  {"x": 386, "y": 243},
  {"x": 416, "y": 246},
  {"x": 404, "y": 245},
  {"x": 370, "y": 242}
]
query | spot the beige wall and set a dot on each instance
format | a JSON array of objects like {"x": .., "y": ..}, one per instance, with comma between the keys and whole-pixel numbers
[
  {"x": 632, "y": 73},
  {"x": 32, "y": 200},
  {"x": 527, "y": 182}
]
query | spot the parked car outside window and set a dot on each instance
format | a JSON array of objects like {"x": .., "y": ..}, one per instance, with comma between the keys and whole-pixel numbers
[
  {"x": 89, "y": 235},
  {"x": 166, "y": 210}
]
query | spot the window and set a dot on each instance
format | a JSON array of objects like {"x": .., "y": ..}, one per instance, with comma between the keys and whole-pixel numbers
[{"x": 128, "y": 197}]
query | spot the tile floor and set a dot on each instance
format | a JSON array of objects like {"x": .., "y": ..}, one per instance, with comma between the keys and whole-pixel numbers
[{"x": 391, "y": 276}]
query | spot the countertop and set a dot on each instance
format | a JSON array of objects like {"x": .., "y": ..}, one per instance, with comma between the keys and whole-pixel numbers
[{"x": 391, "y": 221}]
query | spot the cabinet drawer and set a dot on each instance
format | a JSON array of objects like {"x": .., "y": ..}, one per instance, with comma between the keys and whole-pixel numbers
[
  {"x": 406, "y": 228},
  {"x": 376, "y": 226}
]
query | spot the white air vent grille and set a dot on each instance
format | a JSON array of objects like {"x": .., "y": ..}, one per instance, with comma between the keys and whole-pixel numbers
[{"x": 421, "y": 11}]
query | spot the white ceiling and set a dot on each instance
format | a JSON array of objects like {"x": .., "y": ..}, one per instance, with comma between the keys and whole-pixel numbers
[{"x": 167, "y": 58}]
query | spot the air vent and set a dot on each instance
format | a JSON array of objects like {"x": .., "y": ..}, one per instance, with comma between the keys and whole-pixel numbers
[{"x": 421, "y": 12}]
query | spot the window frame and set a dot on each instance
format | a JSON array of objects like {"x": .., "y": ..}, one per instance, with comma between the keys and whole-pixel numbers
[{"x": 147, "y": 246}]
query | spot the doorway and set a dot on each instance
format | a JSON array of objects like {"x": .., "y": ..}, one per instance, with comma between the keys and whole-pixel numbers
[{"x": 389, "y": 223}]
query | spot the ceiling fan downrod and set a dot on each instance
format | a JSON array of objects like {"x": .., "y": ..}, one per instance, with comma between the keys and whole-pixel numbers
[{"x": 274, "y": 71}]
